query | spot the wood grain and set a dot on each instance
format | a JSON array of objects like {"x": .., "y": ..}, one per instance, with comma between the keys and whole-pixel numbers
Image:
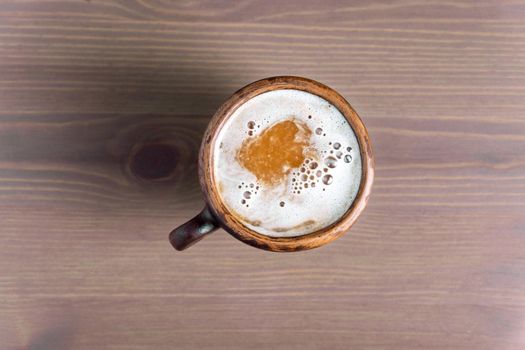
[{"x": 103, "y": 106}]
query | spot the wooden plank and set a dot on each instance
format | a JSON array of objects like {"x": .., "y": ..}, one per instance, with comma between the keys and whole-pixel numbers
[{"x": 103, "y": 105}]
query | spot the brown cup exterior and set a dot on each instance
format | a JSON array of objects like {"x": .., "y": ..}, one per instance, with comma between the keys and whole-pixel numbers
[{"x": 232, "y": 224}]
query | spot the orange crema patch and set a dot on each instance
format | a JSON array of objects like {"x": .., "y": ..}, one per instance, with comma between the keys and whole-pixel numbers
[{"x": 272, "y": 155}]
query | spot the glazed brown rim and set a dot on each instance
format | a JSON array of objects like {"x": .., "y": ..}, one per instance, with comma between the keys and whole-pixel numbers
[{"x": 233, "y": 225}]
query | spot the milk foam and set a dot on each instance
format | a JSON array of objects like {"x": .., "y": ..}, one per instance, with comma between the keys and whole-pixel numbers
[{"x": 314, "y": 195}]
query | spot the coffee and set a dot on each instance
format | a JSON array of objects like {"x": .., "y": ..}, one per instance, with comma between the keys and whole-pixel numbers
[{"x": 287, "y": 163}]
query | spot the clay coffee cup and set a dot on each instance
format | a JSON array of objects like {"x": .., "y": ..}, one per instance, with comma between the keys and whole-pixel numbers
[{"x": 217, "y": 214}]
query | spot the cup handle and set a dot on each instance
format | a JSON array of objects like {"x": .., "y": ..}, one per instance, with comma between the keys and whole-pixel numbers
[{"x": 194, "y": 230}]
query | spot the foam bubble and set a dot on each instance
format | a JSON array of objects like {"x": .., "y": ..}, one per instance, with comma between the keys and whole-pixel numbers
[
  {"x": 328, "y": 179},
  {"x": 330, "y": 162}
]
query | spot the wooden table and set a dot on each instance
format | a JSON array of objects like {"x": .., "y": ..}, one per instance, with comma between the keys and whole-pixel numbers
[{"x": 103, "y": 104}]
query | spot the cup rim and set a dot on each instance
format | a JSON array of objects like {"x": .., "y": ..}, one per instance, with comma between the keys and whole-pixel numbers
[{"x": 229, "y": 221}]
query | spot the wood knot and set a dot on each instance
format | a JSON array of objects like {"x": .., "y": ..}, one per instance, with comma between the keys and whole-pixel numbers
[{"x": 153, "y": 161}]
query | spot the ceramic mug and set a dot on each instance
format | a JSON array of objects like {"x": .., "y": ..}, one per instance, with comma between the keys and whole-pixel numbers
[{"x": 215, "y": 213}]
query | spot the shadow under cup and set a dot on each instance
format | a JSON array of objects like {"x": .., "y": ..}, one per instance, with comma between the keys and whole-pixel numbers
[{"x": 217, "y": 214}]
